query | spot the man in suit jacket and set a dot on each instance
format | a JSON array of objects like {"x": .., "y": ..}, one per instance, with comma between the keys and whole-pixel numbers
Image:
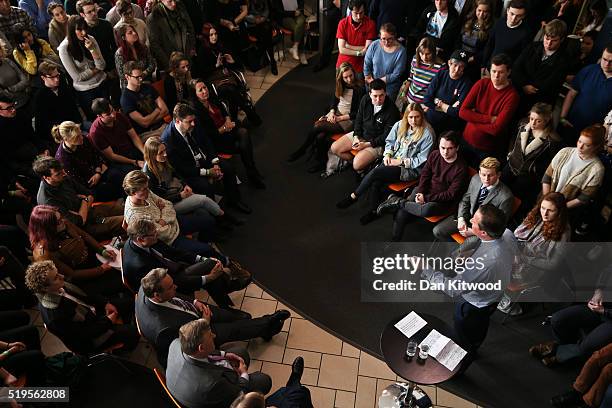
[
  {"x": 85, "y": 324},
  {"x": 485, "y": 188},
  {"x": 193, "y": 156},
  {"x": 200, "y": 376},
  {"x": 160, "y": 314},
  {"x": 493, "y": 256}
]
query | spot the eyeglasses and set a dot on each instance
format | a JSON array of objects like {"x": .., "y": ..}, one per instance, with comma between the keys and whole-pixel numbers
[
  {"x": 9, "y": 108},
  {"x": 52, "y": 76},
  {"x": 139, "y": 77}
]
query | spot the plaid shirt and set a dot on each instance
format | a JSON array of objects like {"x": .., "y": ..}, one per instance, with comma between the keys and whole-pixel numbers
[{"x": 16, "y": 16}]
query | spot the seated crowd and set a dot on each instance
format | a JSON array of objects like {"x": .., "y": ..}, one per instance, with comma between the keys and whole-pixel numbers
[{"x": 120, "y": 122}]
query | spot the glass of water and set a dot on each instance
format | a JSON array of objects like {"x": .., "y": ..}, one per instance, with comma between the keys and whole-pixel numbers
[
  {"x": 424, "y": 352},
  {"x": 411, "y": 349}
]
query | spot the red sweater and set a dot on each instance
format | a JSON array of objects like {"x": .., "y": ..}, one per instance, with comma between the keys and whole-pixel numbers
[{"x": 482, "y": 102}]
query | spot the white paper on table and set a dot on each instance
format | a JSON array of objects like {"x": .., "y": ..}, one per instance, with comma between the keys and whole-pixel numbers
[
  {"x": 290, "y": 5},
  {"x": 116, "y": 263},
  {"x": 447, "y": 352},
  {"x": 410, "y": 324}
]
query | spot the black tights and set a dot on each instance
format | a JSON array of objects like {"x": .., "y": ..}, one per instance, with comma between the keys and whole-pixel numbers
[{"x": 318, "y": 138}]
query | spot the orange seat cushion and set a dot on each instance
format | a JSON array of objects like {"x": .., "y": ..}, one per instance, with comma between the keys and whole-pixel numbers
[
  {"x": 458, "y": 238},
  {"x": 402, "y": 185}
]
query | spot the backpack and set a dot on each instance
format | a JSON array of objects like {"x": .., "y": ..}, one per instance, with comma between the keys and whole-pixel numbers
[{"x": 65, "y": 369}]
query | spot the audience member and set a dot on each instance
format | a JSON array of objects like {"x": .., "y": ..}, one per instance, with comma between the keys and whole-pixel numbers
[
  {"x": 74, "y": 201},
  {"x": 488, "y": 110},
  {"x": 395, "y": 12},
  {"x": 446, "y": 93},
  {"x": 535, "y": 145},
  {"x": 21, "y": 345},
  {"x": 11, "y": 16},
  {"x": 37, "y": 10},
  {"x": 30, "y": 51},
  {"x": 423, "y": 68},
  {"x": 54, "y": 102},
  {"x": 161, "y": 313},
  {"x": 191, "y": 153},
  {"x": 484, "y": 188},
  {"x": 577, "y": 173},
  {"x": 475, "y": 35},
  {"x": 259, "y": 25},
  {"x": 540, "y": 70},
  {"x": 114, "y": 15},
  {"x": 73, "y": 252},
  {"x": 58, "y": 26},
  {"x": 83, "y": 60},
  {"x": 141, "y": 103},
  {"x": 125, "y": 9},
  {"x": 197, "y": 374},
  {"x": 164, "y": 182},
  {"x": 85, "y": 164},
  {"x": 376, "y": 116},
  {"x": 509, "y": 35},
  {"x": 170, "y": 30},
  {"x": 441, "y": 184},
  {"x": 212, "y": 54},
  {"x": 14, "y": 296},
  {"x": 229, "y": 17},
  {"x": 589, "y": 99},
  {"x": 406, "y": 149},
  {"x": 587, "y": 43},
  {"x": 440, "y": 22},
  {"x": 333, "y": 11},
  {"x": 113, "y": 135},
  {"x": 14, "y": 83},
  {"x": 592, "y": 383},
  {"x": 474, "y": 307},
  {"x": 355, "y": 34},
  {"x": 542, "y": 235},
  {"x": 176, "y": 82},
  {"x": 598, "y": 10},
  {"x": 131, "y": 48},
  {"x": 85, "y": 324},
  {"x": 143, "y": 252},
  {"x": 228, "y": 136},
  {"x": 579, "y": 330},
  {"x": 292, "y": 19},
  {"x": 386, "y": 59},
  {"x": 102, "y": 31},
  {"x": 348, "y": 93}
]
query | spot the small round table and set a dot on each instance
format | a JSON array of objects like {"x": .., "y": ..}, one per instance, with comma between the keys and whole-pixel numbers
[{"x": 429, "y": 372}]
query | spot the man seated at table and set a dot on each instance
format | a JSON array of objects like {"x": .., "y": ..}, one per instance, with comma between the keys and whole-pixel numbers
[
  {"x": 199, "y": 375},
  {"x": 160, "y": 314},
  {"x": 141, "y": 102},
  {"x": 492, "y": 258}
]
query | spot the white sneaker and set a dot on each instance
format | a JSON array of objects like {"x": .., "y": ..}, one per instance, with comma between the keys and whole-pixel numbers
[
  {"x": 294, "y": 53},
  {"x": 303, "y": 59}
]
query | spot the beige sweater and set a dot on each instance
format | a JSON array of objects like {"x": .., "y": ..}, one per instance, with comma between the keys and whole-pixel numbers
[
  {"x": 156, "y": 208},
  {"x": 583, "y": 185}
]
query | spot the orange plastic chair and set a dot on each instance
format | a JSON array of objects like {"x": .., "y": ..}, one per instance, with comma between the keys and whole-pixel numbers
[
  {"x": 458, "y": 238},
  {"x": 402, "y": 185},
  {"x": 162, "y": 380},
  {"x": 436, "y": 218},
  {"x": 225, "y": 156}
]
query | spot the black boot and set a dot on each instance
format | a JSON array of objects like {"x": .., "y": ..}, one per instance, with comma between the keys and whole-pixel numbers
[{"x": 273, "y": 66}]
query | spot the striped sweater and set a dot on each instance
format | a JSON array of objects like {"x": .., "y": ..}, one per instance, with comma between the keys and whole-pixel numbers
[{"x": 420, "y": 77}]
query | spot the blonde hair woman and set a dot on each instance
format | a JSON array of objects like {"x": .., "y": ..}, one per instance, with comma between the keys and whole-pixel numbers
[
  {"x": 164, "y": 182},
  {"x": 84, "y": 163},
  {"x": 406, "y": 149}
]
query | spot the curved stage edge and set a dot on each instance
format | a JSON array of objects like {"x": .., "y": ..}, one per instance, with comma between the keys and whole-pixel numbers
[{"x": 306, "y": 253}]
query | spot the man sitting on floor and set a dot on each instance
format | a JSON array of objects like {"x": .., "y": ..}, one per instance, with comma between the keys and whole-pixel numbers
[
  {"x": 113, "y": 135},
  {"x": 143, "y": 252},
  {"x": 485, "y": 188},
  {"x": 441, "y": 184},
  {"x": 145, "y": 108},
  {"x": 84, "y": 323},
  {"x": 74, "y": 201},
  {"x": 376, "y": 116},
  {"x": 199, "y": 375},
  {"x": 160, "y": 314}
]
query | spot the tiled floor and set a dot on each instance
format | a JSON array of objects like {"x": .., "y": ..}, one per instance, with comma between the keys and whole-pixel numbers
[{"x": 337, "y": 374}]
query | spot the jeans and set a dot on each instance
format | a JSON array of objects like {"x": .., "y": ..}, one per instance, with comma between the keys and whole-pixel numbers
[
  {"x": 85, "y": 98},
  {"x": 377, "y": 179},
  {"x": 195, "y": 202},
  {"x": 472, "y": 324},
  {"x": 199, "y": 221},
  {"x": 196, "y": 247}
]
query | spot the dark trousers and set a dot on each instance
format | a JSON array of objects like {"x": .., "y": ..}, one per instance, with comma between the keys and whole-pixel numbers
[
  {"x": 567, "y": 325},
  {"x": 410, "y": 209},
  {"x": 31, "y": 361},
  {"x": 238, "y": 141},
  {"x": 109, "y": 186},
  {"x": 258, "y": 381},
  {"x": 375, "y": 181},
  {"x": 208, "y": 187},
  {"x": 200, "y": 221},
  {"x": 229, "y": 326},
  {"x": 472, "y": 324},
  {"x": 125, "y": 333},
  {"x": 331, "y": 20},
  {"x": 13, "y": 299},
  {"x": 85, "y": 98},
  {"x": 474, "y": 156},
  {"x": 318, "y": 138}
]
